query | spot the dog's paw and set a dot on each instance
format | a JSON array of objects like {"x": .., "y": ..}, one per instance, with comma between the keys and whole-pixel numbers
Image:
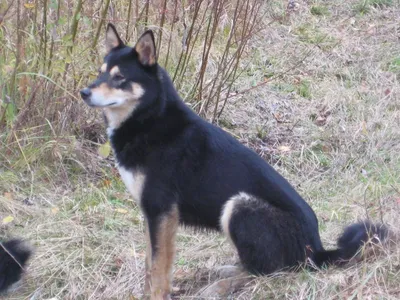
[
  {"x": 159, "y": 296},
  {"x": 167, "y": 297},
  {"x": 228, "y": 271},
  {"x": 224, "y": 287}
]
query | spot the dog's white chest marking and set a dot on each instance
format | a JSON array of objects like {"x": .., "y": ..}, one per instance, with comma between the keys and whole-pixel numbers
[{"x": 134, "y": 182}]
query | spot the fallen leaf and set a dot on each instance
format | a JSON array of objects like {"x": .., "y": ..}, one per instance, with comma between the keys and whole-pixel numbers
[
  {"x": 29, "y": 5},
  {"x": 104, "y": 150},
  {"x": 139, "y": 254},
  {"x": 8, "y": 219},
  {"x": 180, "y": 274},
  {"x": 8, "y": 196},
  {"x": 278, "y": 116},
  {"x": 106, "y": 182},
  {"x": 371, "y": 30},
  {"x": 284, "y": 148},
  {"x": 120, "y": 196},
  {"x": 121, "y": 210},
  {"x": 118, "y": 262},
  {"x": 364, "y": 128},
  {"x": 325, "y": 148},
  {"x": 320, "y": 121}
]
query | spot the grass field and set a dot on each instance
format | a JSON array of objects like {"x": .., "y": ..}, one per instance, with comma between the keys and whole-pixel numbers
[{"x": 317, "y": 95}]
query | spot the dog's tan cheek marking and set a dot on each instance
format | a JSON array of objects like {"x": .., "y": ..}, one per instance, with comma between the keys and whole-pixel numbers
[
  {"x": 116, "y": 115},
  {"x": 102, "y": 89},
  {"x": 103, "y": 68},
  {"x": 162, "y": 260},
  {"x": 114, "y": 71},
  {"x": 137, "y": 91}
]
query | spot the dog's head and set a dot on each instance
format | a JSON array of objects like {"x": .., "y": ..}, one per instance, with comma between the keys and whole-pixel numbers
[{"x": 125, "y": 77}]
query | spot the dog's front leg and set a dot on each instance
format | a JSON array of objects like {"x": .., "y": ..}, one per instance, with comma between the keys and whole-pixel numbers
[{"x": 160, "y": 233}]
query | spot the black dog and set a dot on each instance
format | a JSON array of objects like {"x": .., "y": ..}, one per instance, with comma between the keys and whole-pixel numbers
[
  {"x": 13, "y": 257},
  {"x": 182, "y": 169}
]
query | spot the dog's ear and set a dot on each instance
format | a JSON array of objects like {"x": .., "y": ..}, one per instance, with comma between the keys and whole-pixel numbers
[
  {"x": 146, "y": 49},
  {"x": 112, "y": 38}
]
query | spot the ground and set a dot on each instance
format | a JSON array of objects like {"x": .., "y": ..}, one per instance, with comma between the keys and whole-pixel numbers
[{"x": 318, "y": 97}]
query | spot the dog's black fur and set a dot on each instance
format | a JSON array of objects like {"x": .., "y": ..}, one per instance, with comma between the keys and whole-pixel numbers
[
  {"x": 13, "y": 257},
  {"x": 195, "y": 168}
]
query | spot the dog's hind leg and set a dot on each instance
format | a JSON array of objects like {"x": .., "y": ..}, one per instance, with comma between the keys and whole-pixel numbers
[
  {"x": 267, "y": 238},
  {"x": 160, "y": 254}
]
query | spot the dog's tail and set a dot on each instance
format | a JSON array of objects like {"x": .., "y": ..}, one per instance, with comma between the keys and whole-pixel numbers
[
  {"x": 14, "y": 254},
  {"x": 351, "y": 242}
]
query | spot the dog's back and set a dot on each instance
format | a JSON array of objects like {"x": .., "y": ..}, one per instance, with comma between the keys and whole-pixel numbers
[{"x": 13, "y": 257}]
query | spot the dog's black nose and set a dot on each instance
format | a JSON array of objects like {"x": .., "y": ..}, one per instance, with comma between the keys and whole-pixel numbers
[{"x": 85, "y": 93}]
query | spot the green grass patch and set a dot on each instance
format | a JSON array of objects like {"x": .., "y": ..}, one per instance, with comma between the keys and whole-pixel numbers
[
  {"x": 319, "y": 10},
  {"x": 304, "y": 89},
  {"x": 380, "y": 3},
  {"x": 310, "y": 34},
  {"x": 284, "y": 87},
  {"x": 262, "y": 133},
  {"x": 394, "y": 65},
  {"x": 364, "y": 6}
]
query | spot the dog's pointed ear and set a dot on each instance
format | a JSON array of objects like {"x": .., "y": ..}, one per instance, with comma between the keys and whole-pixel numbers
[
  {"x": 112, "y": 38},
  {"x": 146, "y": 49}
]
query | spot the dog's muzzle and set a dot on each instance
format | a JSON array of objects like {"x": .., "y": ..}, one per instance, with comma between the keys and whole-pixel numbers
[{"x": 85, "y": 94}]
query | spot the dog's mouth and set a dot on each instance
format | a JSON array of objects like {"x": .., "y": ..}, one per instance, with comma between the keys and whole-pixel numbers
[
  {"x": 95, "y": 101},
  {"x": 90, "y": 104},
  {"x": 110, "y": 104}
]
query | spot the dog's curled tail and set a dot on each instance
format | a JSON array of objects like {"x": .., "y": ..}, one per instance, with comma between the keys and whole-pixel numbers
[
  {"x": 351, "y": 242},
  {"x": 14, "y": 254}
]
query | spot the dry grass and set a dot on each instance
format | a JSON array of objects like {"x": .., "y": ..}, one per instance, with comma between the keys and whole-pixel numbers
[{"x": 328, "y": 120}]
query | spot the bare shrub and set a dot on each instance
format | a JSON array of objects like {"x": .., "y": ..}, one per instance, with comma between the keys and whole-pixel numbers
[{"x": 59, "y": 44}]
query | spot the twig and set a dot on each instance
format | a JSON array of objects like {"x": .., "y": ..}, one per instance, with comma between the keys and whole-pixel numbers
[
  {"x": 27, "y": 163},
  {"x": 22, "y": 114},
  {"x": 272, "y": 78},
  {"x": 365, "y": 203},
  {"x": 103, "y": 14},
  {"x": 128, "y": 21},
  {"x": 12, "y": 256},
  {"x": 2, "y": 16}
]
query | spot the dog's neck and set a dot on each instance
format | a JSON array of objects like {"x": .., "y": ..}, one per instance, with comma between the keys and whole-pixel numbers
[{"x": 115, "y": 117}]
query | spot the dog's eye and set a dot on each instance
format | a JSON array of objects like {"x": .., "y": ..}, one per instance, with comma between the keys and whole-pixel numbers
[{"x": 119, "y": 77}]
